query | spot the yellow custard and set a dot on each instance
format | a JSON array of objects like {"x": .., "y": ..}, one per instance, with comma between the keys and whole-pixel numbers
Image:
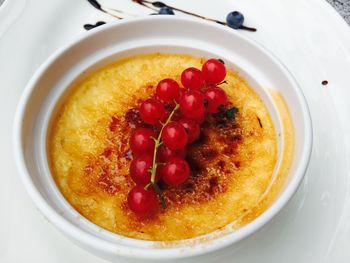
[{"x": 231, "y": 166}]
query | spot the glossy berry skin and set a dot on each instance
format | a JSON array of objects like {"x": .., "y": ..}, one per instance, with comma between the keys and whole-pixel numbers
[
  {"x": 199, "y": 117},
  {"x": 235, "y": 19},
  {"x": 141, "y": 141},
  {"x": 175, "y": 172},
  {"x": 192, "y": 104},
  {"x": 152, "y": 111},
  {"x": 192, "y": 78},
  {"x": 168, "y": 90},
  {"x": 215, "y": 97},
  {"x": 213, "y": 71},
  {"x": 174, "y": 136},
  {"x": 139, "y": 169},
  {"x": 164, "y": 154},
  {"x": 181, "y": 93},
  {"x": 142, "y": 201},
  {"x": 192, "y": 128},
  {"x": 165, "y": 10}
]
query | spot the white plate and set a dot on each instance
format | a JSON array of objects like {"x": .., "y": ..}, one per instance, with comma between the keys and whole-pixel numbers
[{"x": 309, "y": 36}]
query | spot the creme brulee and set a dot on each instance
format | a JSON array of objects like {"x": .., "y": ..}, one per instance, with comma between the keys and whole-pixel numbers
[{"x": 231, "y": 165}]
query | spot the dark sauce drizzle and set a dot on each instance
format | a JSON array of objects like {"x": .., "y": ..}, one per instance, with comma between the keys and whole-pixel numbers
[
  {"x": 91, "y": 26},
  {"x": 154, "y": 6},
  {"x": 116, "y": 13},
  {"x": 98, "y": 6},
  {"x": 158, "y": 4}
]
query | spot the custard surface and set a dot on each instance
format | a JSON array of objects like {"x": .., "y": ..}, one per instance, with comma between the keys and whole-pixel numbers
[{"x": 231, "y": 164}]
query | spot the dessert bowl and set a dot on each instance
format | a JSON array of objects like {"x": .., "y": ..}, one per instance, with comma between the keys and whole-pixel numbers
[{"x": 50, "y": 86}]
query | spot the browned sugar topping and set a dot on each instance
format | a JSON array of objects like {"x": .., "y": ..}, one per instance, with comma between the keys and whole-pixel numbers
[{"x": 210, "y": 160}]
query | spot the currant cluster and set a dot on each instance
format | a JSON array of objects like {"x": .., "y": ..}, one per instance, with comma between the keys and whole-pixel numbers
[{"x": 159, "y": 151}]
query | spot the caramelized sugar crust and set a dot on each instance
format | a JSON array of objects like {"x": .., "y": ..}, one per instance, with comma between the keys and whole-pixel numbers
[{"x": 231, "y": 164}]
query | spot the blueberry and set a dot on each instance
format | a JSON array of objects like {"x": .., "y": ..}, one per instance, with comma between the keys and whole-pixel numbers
[
  {"x": 235, "y": 19},
  {"x": 166, "y": 11},
  {"x": 159, "y": 4}
]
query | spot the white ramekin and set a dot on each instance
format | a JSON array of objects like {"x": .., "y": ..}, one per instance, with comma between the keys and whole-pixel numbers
[{"x": 49, "y": 85}]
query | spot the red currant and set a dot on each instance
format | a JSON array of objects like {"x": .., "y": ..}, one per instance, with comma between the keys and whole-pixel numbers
[
  {"x": 164, "y": 154},
  {"x": 192, "y": 128},
  {"x": 181, "y": 92},
  {"x": 168, "y": 90},
  {"x": 142, "y": 201},
  {"x": 192, "y": 78},
  {"x": 174, "y": 136},
  {"x": 175, "y": 172},
  {"x": 215, "y": 97},
  {"x": 198, "y": 116},
  {"x": 140, "y": 169},
  {"x": 152, "y": 111},
  {"x": 214, "y": 71},
  {"x": 141, "y": 141},
  {"x": 192, "y": 104}
]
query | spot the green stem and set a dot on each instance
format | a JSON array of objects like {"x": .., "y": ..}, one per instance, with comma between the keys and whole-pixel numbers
[
  {"x": 160, "y": 194},
  {"x": 158, "y": 143}
]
